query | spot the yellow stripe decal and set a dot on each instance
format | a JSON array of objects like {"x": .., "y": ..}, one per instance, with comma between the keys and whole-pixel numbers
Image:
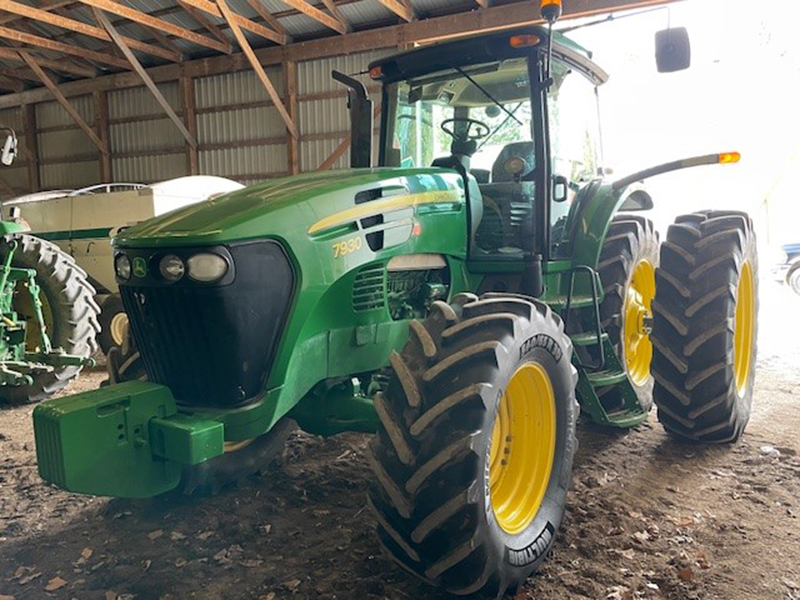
[{"x": 383, "y": 205}]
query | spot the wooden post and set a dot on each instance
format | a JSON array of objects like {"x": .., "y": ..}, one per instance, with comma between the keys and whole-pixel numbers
[
  {"x": 101, "y": 124},
  {"x": 290, "y": 98},
  {"x": 31, "y": 146},
  {"x": 189, "y": 107}
]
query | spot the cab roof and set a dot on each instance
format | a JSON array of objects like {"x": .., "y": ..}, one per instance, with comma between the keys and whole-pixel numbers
[{"x": 485, "y": 48}]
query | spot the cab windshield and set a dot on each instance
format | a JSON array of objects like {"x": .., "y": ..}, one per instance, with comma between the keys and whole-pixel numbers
[
  {"x": 478, "y": 119},
  {"x": 495, "y": 94}
]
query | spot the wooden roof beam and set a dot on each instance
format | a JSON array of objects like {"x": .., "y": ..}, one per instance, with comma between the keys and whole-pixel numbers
[
  {"x": 148, "y": 81},
  {"x": 198, "y": 16},
  {"x": 399, "y": 8},
  {"x": 165, "y": 26},
  {"x": 54, "y": 65},
  {"x": 10, "y": 83},
  {"x": 40, "y": 42},
  {"x": 241, "y": 22},
  {"x": 291, "y": 126},
  {"x": 316, "y": 14},
  {"x": 337, "y": 14},
  {"x": 23, "y": 10},
  {"x": 269, "y": 18},
  {"x": 51, "y": 85}
]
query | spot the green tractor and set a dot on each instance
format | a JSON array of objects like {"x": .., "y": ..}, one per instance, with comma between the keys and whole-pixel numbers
[
  {"x": 464, "y": 300},
  {"x": 48, "y": 316}
]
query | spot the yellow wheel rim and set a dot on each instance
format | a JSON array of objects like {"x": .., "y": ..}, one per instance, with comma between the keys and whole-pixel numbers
[
  {"x": 523, "y": 448},
  {"x": 743, "y": 328},
  {"x": 636, "y": 338},
  {"x": 118, "y": 327}
]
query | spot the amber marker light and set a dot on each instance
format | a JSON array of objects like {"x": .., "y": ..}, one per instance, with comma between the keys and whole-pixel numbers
[
  {"x": 375, "y": 72},
  {"x": 550, "y": 10},
  {"x": 523, "y": 41},
  {"x": 729, "y": 157}
]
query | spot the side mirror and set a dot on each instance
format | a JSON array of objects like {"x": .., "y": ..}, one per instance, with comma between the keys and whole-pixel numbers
[
  {"x": 673, "y": 50},
  {"x": 560, "y": 188},
  {"x": 9, "y": 150}
]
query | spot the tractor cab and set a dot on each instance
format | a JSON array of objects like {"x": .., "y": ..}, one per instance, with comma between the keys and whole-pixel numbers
[{"x": 483, "y": 108}]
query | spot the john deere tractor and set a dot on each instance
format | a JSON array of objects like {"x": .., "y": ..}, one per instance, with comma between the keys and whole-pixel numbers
[
  {"x": 464, "y": 300},
  {"x": 48, "y": 316}
]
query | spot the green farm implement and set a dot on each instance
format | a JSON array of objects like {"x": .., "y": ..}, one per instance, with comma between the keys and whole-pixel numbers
[
  {"x": 48, "y": 317},
  {"x": 464, "y": 300}
]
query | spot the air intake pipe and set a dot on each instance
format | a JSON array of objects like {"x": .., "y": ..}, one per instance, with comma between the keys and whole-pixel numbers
[{"x": 360, "y": 107}]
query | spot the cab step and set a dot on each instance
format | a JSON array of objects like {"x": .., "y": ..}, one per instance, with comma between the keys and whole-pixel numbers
[
  {"x": 588, "y": 338},
  {"x": 606, "y": 377}
]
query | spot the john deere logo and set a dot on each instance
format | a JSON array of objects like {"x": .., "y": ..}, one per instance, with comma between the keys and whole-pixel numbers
[{"x": 139, "y": 267}]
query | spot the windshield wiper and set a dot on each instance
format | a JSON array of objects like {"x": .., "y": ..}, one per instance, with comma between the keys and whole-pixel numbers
[
  {"x": 487, "y": 94},
  {"x": 499, "y": 127}
]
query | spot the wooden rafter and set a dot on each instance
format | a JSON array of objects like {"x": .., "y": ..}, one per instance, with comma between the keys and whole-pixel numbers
[
  {"x": 42, "y": 4},
  {"x": 259, "y": 70},
  {"x": 198, "y": 16},
  {"x": 316, "y": 14},
  {"x": 51, "y": 85},
  {"x": 53, "y": 65},
  {"x": 241, "y": 22},
  {"x": 269, "y": 18},
  {"x": 290, "y": 97},
  {"x": 8, "y": 83},
  {"x": 120, "y": 42},
  {"x": 43, "y": 16},
  {"x": 399, "y": 8},
  {"x": 40, "y": 42},
  {"x": 150, "y": 21},
  {"x": 164, "y": 40},
  {"x": 337, "y": 14}
]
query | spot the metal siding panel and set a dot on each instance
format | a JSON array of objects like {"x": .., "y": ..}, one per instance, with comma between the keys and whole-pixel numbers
[
  {"x": 314, "y": 76},
  {"x": 255, "y": 160},
  {"x": 323, "y": 116},
  {"x": 149, "y": 169},
  {"x": 138, "y": 101},
  {"x": 52, "y": 114},
  {"x": 69, "y": 175},
  {"x": 16, "y": 177},
  {"x": 239, "y": 125},
  {"x": 313, "y": 154},
  {"x": 67, "y": 143},
  {"x": 155, "y": 135},
  {"x": 235, "y": 88}
]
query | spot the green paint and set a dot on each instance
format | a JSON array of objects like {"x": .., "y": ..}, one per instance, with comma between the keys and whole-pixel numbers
[
  {"x": 74, "y": 234},
  {"x": 325, "y": 222}
]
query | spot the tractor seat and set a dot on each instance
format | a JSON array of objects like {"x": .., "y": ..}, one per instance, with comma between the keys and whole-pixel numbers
[{"x": 507, "y": 200}]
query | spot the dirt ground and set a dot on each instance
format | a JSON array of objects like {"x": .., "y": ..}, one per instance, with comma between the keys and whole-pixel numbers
[{"x": 647, "y": 518}]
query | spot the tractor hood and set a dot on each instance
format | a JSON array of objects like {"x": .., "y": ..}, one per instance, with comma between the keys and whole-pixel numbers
[{"x": 282, "y": 207}]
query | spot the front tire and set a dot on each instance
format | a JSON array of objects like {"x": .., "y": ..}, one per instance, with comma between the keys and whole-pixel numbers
[
  {"x": 70, "y": 312},
  {"x": 705, "y": 326},
  {"x": 474, "y": 454},
  {"x": 113, "y": 323}
]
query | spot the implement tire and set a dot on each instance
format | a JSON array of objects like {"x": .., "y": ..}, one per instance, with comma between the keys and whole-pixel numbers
[
  {"x": 627, "y": 271},
  {"x": 705, "y": 326},
  {"x": 69, "y": 307},
  {"x": 241, "y": 459},
  {"x": 793, "y": 278},
  {"x": 473, "y": 457}
]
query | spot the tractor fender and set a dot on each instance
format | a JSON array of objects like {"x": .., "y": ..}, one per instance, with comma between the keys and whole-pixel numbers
[{"x": 592, "y": 213}]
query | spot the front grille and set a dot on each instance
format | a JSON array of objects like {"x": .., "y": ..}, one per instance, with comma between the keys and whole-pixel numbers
[{"x": 213, "y": 345}]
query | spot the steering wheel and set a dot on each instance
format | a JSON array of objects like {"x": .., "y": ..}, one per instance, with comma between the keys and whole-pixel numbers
[{"x": 481, "y": 129}]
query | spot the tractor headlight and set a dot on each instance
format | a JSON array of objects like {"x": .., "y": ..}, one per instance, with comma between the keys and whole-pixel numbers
[
  {"x": 207, "y": 267},
  {"x": 171, "y": 267},
  {"x": 122, "y": 267}
]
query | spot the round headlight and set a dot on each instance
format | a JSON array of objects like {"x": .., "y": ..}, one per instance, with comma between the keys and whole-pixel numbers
[
  {"x": 122, "y": 267},
  {"x": 207, "y": 267},
  {"x": 171, "y": 267}
]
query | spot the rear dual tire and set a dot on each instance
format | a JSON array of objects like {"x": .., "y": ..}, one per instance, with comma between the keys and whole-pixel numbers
[
  {"x": 474, "y": 454},
  {"x": 705, "y": 326}
]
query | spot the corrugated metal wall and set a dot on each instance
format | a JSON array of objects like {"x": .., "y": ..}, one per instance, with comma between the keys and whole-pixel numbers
[
  {"x": 15, "y": 176},
  {"x": 240, "y": 133}
]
